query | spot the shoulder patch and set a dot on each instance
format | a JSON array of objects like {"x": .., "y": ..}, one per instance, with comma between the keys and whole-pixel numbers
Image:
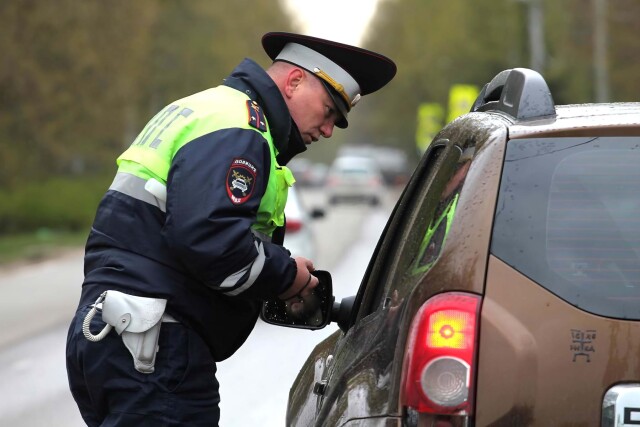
[
  {"x": 241, "y": 180},
  {"x": 256, "y": 116}
]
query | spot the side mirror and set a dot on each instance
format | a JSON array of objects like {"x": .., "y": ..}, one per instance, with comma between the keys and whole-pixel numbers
[
  {"x": 274, "y": 310},
  {"x": 341, "y": 312},
  {"x": 317, "y": 213}
]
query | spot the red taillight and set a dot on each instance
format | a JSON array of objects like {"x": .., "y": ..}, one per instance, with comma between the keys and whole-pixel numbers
[
  {"x": 293, "y": 225},
  {"x": 375, "y": 182},
  {"x": 332, "y": 181},
  {"x": 439, "y": 360}
]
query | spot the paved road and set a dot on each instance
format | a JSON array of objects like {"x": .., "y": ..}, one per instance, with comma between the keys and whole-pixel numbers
[
  {"x": 37, "y": 297},
  {"x": 36, "y": 303}
]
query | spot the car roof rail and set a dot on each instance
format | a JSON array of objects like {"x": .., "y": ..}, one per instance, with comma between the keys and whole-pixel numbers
[{"x": 520, "y": 92}]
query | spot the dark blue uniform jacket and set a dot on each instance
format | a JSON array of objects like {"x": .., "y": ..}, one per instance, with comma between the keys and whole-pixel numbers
[{"x": 182, "y": 255}]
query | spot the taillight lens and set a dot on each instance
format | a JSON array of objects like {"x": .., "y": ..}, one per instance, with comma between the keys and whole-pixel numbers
[
  {"x": 332, "y": 181},
  {"x": 439, "y": 360},
  {"x": 293, "y": 225}
]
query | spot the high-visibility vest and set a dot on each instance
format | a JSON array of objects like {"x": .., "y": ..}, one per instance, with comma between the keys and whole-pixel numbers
[{"x": 152, "y": 152}]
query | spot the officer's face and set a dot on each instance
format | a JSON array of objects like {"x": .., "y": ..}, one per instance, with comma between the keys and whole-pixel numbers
[{"x": 312, "y": 109}]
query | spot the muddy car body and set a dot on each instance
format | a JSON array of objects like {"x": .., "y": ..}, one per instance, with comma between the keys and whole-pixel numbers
[{"x": 505, "y": 288}]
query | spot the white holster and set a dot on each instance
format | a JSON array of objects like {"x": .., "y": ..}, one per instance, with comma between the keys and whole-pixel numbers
[{"x": 136, "y": 319}]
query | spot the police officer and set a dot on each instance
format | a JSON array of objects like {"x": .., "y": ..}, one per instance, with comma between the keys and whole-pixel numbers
[{"x": 187, "y": 241}]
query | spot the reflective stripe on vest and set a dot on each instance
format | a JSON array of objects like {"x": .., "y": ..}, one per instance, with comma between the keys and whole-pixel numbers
[
  {"x": 254, "y": 269},
  {"x": 138, "y": 188},
  {"x": 135, "y": 187}
]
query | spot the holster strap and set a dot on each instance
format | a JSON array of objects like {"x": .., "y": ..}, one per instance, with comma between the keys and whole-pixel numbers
[{"x": 137, "y": 320}]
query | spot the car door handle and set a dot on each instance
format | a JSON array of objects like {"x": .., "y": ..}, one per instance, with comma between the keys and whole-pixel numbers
[{"x": 320, "y": 387}]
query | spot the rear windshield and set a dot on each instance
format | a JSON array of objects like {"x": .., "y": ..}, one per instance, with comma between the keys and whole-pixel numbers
[
  {"x": 353, "y": 171},
  {"x": 568, "y": 217}
]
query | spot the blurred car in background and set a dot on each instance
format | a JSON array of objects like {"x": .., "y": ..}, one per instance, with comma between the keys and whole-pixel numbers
[
  {"x": 354, "y": 178},
  {"x": 299, "y": 237},
  {"x": 318, "y": 174},
  {"x": 392, "y": 161},
  {"x": 307, "y": 172}
]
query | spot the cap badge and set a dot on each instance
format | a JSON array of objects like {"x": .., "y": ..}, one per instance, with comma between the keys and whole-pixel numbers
[
  {"x": 334, "y": 84},
  {"x": 356, "y": 99}
]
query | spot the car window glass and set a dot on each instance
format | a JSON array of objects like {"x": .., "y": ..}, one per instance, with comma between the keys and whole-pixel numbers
[
  {"x": 372, "y": 288},
  {"x": 435, "y": 233},
  {"x": 423, "y": 226},
  {"x": 567, "y": 217}
]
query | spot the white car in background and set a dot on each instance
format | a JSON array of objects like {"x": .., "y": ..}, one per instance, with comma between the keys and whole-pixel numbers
[
  {"x": 356, "y": 178},
  {"x": 307, "y": 172},
  {"x": 393, "y": 161},
  {"x": 299, "y": 237}
]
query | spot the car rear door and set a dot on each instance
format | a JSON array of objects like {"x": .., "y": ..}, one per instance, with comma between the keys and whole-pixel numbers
[{"x": 560, "y": 321}]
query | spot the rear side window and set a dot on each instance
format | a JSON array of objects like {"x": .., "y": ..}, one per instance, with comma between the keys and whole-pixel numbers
[{"x": 568, "y": 217}]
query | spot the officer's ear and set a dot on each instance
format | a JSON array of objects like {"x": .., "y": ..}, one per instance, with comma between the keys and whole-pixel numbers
[{"x": 294, "y": 79}]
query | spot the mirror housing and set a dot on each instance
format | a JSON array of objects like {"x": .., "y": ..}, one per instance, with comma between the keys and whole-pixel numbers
[
  {"x": 317, "y": 213},
  {"x": 274, "y": 310},
  {"x": 341, "y": 312}
]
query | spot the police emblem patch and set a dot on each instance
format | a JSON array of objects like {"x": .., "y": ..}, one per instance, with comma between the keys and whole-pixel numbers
[
  {"x": 241, "y": 180},
  {"x": 256, "y": 116}
]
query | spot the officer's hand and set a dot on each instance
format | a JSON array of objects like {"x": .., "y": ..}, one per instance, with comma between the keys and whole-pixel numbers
[
  {"x": 300, "y": 301},
  {"x": 304, "y": 282}
]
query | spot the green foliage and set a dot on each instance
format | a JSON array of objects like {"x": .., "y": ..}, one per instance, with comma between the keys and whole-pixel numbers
[
  {"x": 78, "y": 80},
  {"x": 38, "y": 245},
  {"x": 61, "y": 100},
  {"x": 437, "y": 44},
  {"x": 197, "y": 43},
  {"x": 440, "y": 43},
  {"x": 57, "y": 203}
]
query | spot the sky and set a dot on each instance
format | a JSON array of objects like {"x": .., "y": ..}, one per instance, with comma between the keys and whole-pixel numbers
[{"x": 339, "y": 20}]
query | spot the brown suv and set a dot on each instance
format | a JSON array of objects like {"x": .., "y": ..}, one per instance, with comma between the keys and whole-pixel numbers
[{"x": 505, "y": 289}]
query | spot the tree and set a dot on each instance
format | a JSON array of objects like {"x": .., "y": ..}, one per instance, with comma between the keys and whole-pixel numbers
[
  {"x": 60, "y": 102},
  {"x": 437, "y": 44},
  {"x": 78, "y": 80}
]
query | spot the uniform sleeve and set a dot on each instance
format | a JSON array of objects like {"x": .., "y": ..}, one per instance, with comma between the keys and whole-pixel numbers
[{"x": 214, "y": 189}]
